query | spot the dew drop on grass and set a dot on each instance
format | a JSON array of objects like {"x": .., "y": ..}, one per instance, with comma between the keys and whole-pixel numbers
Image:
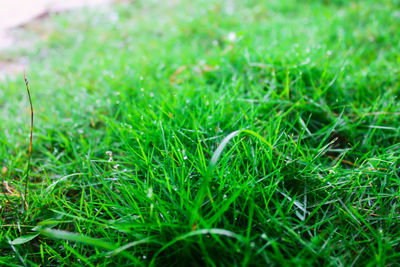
[
  {"x": 150, "y": 192},
  {"x": 232, "y": 36},
  {"x": 264, "y": 236}
]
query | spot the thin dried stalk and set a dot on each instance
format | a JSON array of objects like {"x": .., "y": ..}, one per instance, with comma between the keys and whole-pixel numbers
[{"x": 30, "y": 144}]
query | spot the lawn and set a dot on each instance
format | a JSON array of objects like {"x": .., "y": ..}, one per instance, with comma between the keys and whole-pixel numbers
[{"x": 205, "y": 133}]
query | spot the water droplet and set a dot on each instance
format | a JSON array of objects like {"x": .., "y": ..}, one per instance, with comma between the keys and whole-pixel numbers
[
  {"x": 232, "y": 36},
  {"x": 150, "y": 192},
  {"x": 264, "y": 236}
]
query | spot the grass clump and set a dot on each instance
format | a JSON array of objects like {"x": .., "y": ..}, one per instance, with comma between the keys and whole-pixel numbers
[{"x": 207, "y": 133}]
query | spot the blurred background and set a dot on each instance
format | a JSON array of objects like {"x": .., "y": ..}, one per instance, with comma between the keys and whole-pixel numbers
[{"x": 19, "y": 13}]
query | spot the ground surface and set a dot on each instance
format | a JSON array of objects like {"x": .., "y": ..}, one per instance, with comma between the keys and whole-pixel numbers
[
  {"x": 19, "y": 14},
  {"x": 206, "y": 133}
]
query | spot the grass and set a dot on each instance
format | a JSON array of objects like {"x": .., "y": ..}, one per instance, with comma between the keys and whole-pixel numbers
[{"x": 206, "y": 133}]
